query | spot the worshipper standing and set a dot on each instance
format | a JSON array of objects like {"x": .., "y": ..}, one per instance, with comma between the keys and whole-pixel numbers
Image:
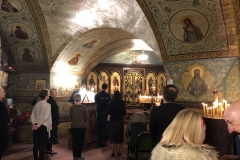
[
  {"x": 183, "y": 139},
  {"x": 41, "y": 124},
  {"x": 55, "y": 123},
  {"x": 116, "y": 111},
  {"x": 78, "y": 115},
  {"x": 162, "y": 116},
  {"x": 136, "y": 117},
  {"x": 4, "y": 121},
  {"x": 101, "y": 99}
]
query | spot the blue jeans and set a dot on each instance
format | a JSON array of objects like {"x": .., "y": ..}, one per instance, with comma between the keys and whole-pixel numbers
[{"x": 101, "y": 123}]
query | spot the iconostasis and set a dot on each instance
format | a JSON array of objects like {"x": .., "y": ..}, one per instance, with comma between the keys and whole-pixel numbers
[{"x": 131, "y": 82}]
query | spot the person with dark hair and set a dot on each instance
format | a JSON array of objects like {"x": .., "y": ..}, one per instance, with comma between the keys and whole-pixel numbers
[
  {"x": 41, "y": 124},
  {"x": 55, "y": 123},
  {"x": 35, "y": 100},
  {"x": 116, "y": 111},
  {"x": 4, "y": 121},
  {"x": 79, "y": 116},
  {"x": 162, "y": 116},
  {"x": 101, "y": 99}
]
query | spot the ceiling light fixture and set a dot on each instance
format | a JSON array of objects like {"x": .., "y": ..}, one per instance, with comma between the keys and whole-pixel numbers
[{"x": 143, "y": 57}]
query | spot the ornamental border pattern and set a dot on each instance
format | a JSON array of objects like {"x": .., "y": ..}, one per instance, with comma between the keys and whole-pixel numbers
[{"x": 41, "y": 26}]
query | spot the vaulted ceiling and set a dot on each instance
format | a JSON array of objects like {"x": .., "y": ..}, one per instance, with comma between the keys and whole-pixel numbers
[{"x": 74, "y": 36}]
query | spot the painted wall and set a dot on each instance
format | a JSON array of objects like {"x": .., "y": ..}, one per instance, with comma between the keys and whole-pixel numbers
[
  {"x": 23, "y": 81},
  {"x": 213, "y": 74}
]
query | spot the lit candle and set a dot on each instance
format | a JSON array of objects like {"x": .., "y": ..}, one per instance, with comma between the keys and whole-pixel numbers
[
  {"x": 221, "y": 114},
  {"x": 220, "y": 106},
  {"x": 204, "y": 110},
  {"x": 215, "y": 92},
  {"x": 208, "y": 111}
]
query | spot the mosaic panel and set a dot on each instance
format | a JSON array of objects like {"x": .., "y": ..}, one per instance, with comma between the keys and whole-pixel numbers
[{"x": 211, "y": 71}]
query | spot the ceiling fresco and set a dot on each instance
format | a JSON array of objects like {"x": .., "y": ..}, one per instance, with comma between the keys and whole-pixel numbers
[
  {"x": 88, "y": 48},
  {"x": 43, "y": 33},
  {"x": 22, "y": 35},
  {"x": 193, "y": 29},
  {"x": 75, "y": 36}
]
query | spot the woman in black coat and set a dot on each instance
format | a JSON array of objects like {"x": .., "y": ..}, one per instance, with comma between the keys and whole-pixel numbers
[{"x": 116, "y": 111}]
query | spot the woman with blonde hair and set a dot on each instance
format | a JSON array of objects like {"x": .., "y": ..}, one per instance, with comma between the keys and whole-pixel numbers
[{"x": 183, "y": 139}]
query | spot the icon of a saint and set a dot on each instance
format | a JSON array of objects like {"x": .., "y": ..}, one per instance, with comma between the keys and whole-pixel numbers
[
  {"x": 20, "y": 33},
  {"x": 161, "y": 86},
  {"x": 197, "y": 86},
  {"x": 74, "y": 60},
  {"x": 192, "y": 33},
  {"x": 150, "y": 85},
  {"x": 90, "y": 44},
  {"x": 115, "y": 81},
  {"x": 91, "y": 82},
  {"x": 6, "y": 6},
  {"x": 27, "y": 56}
]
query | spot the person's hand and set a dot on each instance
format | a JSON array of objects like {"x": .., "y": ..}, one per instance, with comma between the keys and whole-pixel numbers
[
  {"x": 34, "y": 127},
  {"x": 230, "y": 157}
]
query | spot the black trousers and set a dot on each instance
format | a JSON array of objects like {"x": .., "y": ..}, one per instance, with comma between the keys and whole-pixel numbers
[
  {"x": 77, "y": 140},
  {"x": 40, "y": 137},
  {"x": 54, "y": 139},
  {"x": 3, "y": 140},
  {"x": 101, "y": 123}
]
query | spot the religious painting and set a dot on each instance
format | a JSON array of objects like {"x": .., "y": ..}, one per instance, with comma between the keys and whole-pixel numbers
[
  {"x": 11, "y": 6},
  {"x": 197, "y": 80},
  {"x": 150, "y": 84},
  {"x": 75, "y": 58},
  {"x": 40, "y": 85},
  {"x": 90, "y": 43},
  {"x": 27, "y": 54},
  {"x": 5, "y": 79},
  {"x": 188, "y": 26},
  {"x": 76, "y": 86},
  {"x": 20, "y": 30},
  {"x": 21, "y": 82},
  {"x": 103, "y": 79},
  {"x": 92, "y": 81},
  {"x": 115, "y": 82},
  {"x": 161, "y": 83}
]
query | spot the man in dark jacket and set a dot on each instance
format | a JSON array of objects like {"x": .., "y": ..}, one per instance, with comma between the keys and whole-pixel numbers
[
  {"x": 4, "y": 121},
  {"x": 101, "y": 99},
  {"x": 162, "y": 116},
  {"x": 55, "y": 123}
]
